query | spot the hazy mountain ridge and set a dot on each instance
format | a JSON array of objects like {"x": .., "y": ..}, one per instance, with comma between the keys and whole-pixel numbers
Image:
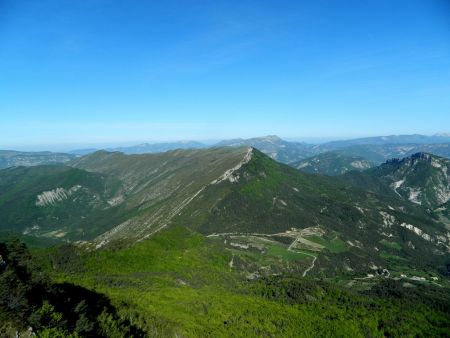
[
  {"x": 392, "y": 139},
  {"x": 381, "y": 153},
  {"x": 374, "y": 149},
  {"x": 273, "y": 146},
  {"x": 144, "y": 148},
  {"x": 11, "y": 158},
  {"x": 332, "y": 163},
  {"x": 150, "y": 148}
]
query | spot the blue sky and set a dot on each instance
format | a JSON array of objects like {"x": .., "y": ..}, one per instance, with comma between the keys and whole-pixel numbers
[{"x": 86, "y": 72}]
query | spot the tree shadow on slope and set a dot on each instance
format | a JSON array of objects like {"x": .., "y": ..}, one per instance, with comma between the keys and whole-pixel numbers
[{"x": 30, "y": 301}]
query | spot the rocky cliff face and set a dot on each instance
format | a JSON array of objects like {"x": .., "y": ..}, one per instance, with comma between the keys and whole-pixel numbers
[{"x": 421, "y": 178}]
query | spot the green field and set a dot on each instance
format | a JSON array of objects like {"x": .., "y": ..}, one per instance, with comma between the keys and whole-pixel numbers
[
  {"x": 391, "y": 245},
  {"x": 334, "y": 245}
]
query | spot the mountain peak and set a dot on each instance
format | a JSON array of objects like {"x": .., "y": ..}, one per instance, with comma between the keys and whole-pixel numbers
[
  {"x": 423, "y": 156},
  {"x": 422, "y": 178},
  {"x": 274, "y": 137},
  {"x": 271, "y": 138},
  {"x": 416, "y": 157},
  {"x": 442, "y": 135}
]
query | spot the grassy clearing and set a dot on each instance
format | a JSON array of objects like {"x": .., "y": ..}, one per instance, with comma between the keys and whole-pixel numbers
[
  {"x": 265, "y": 250},
  {"x": 391, "y": 245},
  {"x": 273, "y": 254},
  {"x": 284, "y": 253},
  {"x": 335, "y": 245},
  {"x": 389, "y": 257}
]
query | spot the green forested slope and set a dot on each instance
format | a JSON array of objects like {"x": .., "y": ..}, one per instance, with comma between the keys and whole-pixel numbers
[
  {"x": 179, "y": 283},
  {"x": 55, "y": 202},
  {"x": 421, "y": 178},
  {"x": 260, "y": 207},
  {"x": 274, "y": 202}
]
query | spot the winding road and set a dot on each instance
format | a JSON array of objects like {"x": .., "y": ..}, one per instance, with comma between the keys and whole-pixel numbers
[
  {"x": 290, "y": 248},
  {"x": 307, "y": 254}
]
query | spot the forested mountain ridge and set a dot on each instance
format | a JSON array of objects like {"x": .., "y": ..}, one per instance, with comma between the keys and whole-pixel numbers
[
  {"x": 421, "y": 178},
  {"x": 373, "y": 149},
  {"x": 231, "y": 235},
  {"x": 223, "y": 192},
  {"x": 241, "y": 192}
]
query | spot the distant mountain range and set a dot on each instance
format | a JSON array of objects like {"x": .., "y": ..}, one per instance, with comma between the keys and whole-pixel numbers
[
  {"x": 392, "y": 139},
  {"x": 220, "y": 192},
  {"x": 10, "y": 158},
  {"x": 378, "y": 153},
  {"x": 341, "y": 153},
  {"x": 150, "y": 148},
  {"x": 146, "y": 148},
  {"x": 332, "y": 163},
  {"x": 273, "y": 146},
  {"x": 374, "y": 149}
]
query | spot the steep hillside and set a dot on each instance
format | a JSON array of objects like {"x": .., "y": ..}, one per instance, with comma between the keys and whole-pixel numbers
[
  {"x": 158, "y": 186},
  {"x": 254, "y": 203},
  {"x": 273, "y": 209},
  {"x": 332, "y": 163},
  {"x": 56, "y": 202},
  {"x": 10, "y": 158},
  {"x": 268, "y": 213},
  {"x": 421, "y": 178}
]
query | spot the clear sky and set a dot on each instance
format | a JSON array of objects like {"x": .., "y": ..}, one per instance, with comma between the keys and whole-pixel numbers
[{"x": 108, "y": 71}]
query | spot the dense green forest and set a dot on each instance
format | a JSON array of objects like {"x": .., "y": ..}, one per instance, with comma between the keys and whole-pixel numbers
[
  {"x": 180, "y": 284},
  {"x": 30, "y": 302}
]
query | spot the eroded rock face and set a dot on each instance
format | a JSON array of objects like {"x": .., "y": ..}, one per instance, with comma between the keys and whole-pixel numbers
[
  {"x": 54, "y": 196},
  {"x": 421, "y": 178},
  {"x": 230, "y": 174}
]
